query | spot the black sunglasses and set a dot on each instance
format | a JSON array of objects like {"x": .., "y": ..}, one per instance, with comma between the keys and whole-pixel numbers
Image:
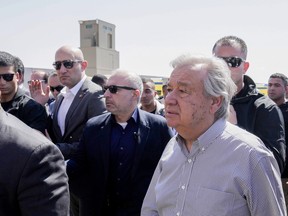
[
  {"x": 30, "y": 81},
  {"x": 7, "y": 77},
  {"x": 68, "y": 64},
  {"x": 57, "y": 88},
  {"x": 233, "y": 61},
  {"x": 114, "y": 88}
]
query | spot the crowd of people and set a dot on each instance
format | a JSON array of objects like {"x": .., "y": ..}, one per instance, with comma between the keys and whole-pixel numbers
[{"x": 211, "y": 145}]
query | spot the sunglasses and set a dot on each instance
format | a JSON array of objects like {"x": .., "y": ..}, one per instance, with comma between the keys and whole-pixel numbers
[
  {"x": 30, "y": 81},
  {"x": 233, "y": 62},
  {"x": 68, "y": 64},
  {"x": 7, "y": 77},
  {"x": 114, "y": 88},
  {"x": 57, "y": 88}
]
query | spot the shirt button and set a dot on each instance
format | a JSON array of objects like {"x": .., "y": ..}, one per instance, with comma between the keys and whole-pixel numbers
[
  {"x": 189, "y": 160},
  {"x": 120, "y": 164},
  {"x": 178, "y": 213},
  {"x": 183, "y": 187},
  {"x": 203, "y": 149},
  {"x": 121, "y": 148}
]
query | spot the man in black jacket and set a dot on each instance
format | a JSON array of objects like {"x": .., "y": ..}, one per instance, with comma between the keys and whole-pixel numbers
[
  {"x": 118, "y": 152},
  {"x": 14, "y": 100},
  {"x": 255, "y": 112}
]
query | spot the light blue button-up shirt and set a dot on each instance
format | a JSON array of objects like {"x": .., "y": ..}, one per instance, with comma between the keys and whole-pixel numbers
[{"x": 228, "y": 172}]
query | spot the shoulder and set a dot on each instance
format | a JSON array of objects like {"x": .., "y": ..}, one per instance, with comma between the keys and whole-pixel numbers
[
  {"x": 243, "y": 140},
  {"x": 97, "y": 120},
  {"x": 91, "y": 86},
  {"x": 28, "y": 103},
  {"x": 21, "y": 138},
  {"x": 152, "y": 119}
]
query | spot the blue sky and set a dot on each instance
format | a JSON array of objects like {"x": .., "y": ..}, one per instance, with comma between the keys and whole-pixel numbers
[{"x": 150, "y": 33}]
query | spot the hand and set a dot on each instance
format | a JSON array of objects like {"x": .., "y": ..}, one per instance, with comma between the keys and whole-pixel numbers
[
  {"x": 37, "y": 93},
  {"x": 232, "y": 118}
]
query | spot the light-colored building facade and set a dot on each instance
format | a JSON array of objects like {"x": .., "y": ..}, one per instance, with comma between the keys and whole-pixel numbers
[{"x": 97, "y": 42}]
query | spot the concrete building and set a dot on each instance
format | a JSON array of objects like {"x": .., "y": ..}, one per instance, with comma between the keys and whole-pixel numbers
[{"x": 97, "y": 42}]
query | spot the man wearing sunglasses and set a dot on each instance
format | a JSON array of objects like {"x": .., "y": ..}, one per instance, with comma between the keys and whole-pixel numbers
[
  {"x": 253, "y": 111},
  {"x": 46, "y": 94},
  {"x": 14, "y": 100},
  {"x": 119, "y": 151},
  {"x": 79, "y": 100}
]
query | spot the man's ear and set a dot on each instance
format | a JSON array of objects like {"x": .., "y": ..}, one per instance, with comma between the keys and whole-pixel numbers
[
  {"x": 84, "y": 65},
  {"x": 137, "y": 93},
  {"x": 216, "y": 103},
  {"x": 246, "y": 66},
  {"x": 18, "y": 77}
]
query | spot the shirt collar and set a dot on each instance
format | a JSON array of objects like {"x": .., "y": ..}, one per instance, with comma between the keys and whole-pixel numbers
[
  {"x": 208, "y": 136},
  {"x": 76, "y": 88},
  {"x": 134, "y": 116}
]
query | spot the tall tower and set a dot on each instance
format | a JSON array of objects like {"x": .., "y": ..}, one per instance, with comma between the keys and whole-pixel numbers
[{"x": 97, "y": 42}]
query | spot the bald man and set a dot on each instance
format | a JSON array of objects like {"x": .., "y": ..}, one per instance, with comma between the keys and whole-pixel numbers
[{"x": 79, "y": 100}]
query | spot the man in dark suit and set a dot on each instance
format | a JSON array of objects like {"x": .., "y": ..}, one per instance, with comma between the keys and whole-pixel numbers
[
  {"x": 78, "y": 101},
  {"x": 33, "y": 178},
  {"x": 118, "y": 151}
]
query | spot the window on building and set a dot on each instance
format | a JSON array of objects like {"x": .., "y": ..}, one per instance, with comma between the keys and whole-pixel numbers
[{"x": 109, "y": 40}]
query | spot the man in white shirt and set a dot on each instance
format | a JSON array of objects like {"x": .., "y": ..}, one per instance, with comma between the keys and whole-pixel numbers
[
  {"x": 79, "y": 100},
  {"x": 211, "y": 167}
]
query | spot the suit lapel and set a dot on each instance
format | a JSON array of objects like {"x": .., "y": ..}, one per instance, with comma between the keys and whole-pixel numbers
[
  {"x": 76, "y": 102},
  {"x": 56, "y": 127},
  {"x": 104, "y": 137},
  {"x": 143, "y": 133}
]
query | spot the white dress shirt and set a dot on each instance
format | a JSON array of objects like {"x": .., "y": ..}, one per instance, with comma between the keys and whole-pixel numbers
[{"x": 69, "y": 95}]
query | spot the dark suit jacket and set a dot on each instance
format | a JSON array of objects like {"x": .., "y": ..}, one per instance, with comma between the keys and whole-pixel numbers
[
  {"x": 33, "y": 178},
  {"x": 88, "y": 102},
  {"x": 93, "y": 157}
]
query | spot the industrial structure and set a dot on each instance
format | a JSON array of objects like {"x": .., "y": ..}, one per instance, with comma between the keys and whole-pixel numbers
[{"x": 97, "y": 42}]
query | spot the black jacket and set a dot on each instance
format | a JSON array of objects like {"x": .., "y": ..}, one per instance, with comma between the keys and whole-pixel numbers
[
  {"x": 27, "y": 110},
  {"x": 94, "y": 158},
  {"x": 259, "y": 115},
  {"x": 284, "y": 109}
]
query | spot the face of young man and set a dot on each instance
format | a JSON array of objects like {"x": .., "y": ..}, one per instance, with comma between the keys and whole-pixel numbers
[
  {"x": 8, "y": 83},
  {"x": 276, "y": 90},
  {"x": 148, "y": 95}
]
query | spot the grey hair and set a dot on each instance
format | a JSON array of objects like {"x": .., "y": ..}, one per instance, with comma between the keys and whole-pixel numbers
[
  {"x": 232, "y": 41},
  {"x": 133, "y": 79},
  {"x": 217, "y": 83}
]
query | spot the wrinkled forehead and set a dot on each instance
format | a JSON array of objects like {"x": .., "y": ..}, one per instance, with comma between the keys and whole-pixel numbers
[{"x": 188, "y": 74}]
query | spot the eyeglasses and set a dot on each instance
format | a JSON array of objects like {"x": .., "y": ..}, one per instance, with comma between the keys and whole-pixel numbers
[
  {"x": 30, "y": 81},
  {"x": 57, "y": 88},
  {"x": 114, "y": 88},
  {"x": 7, "y": 77},
  {"x": 233, "y": 62},
  {"x": 68, "y": 64}
]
